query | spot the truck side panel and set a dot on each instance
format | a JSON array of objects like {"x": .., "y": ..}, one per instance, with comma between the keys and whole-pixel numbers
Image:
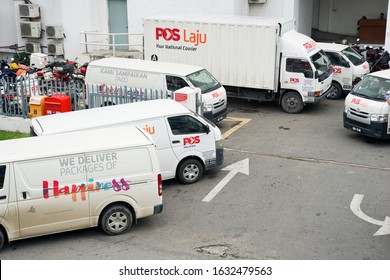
[{"x": 236, "y": 54}]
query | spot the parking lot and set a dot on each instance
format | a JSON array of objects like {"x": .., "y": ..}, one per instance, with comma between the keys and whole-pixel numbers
[{"x": 292, "y": 187}]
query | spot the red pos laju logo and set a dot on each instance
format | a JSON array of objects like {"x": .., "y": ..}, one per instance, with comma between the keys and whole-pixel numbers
[
  {"x": 191, "y": 141},
  {"x": 175, "y": 34},
  {"x": 168, "y": 34}
]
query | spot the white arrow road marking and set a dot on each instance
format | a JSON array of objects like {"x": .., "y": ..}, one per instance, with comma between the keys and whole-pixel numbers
[
  {"x": 240, "y": 166},
  {"x": 355, "y": 207}
]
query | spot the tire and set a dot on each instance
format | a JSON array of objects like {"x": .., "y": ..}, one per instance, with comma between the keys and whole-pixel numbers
[
  {"x": 336, "y": 91},
  {"x": 189, "y": 171},
  {"x": 107, "y": 103},
  {"x": 116, "y": 219},
  {"x": 2, "y": 238},
  {"x": 292, "y": 103}
]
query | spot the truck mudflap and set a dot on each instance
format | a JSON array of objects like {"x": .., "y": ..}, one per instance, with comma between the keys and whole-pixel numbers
[
  {"x": 373, "y": 130},
  {"x": 157, "y": 209},
  {"x": 322, "y": 96}
]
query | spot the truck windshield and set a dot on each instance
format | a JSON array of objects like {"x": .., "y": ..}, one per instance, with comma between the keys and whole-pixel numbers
[
  {"x": 374, "y": 88},
  {"x": 203, "y": 80},
  {"x": 322, "y": 64},
  {"x": 353, "y": 56}
]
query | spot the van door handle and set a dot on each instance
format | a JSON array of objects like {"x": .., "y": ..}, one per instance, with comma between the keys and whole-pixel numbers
[
  {"x": 3, "y": 197},
  {"x": 175, "y": 141}
]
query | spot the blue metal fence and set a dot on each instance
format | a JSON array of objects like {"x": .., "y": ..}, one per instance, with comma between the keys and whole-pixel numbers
[{"x": 16, "y": 94}]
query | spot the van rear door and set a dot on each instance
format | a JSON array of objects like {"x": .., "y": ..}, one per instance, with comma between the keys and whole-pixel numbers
[
  {"x": 4, "y": 189},
  {"x": 189, "y": 136}
]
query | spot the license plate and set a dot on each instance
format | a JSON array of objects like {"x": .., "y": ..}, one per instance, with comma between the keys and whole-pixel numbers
[{"x": 356, "y": 129}]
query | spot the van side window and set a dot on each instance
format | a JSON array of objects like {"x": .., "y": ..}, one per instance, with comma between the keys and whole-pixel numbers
[
  {"x": 336, "y": 59},
  {"x": 186, "y": 125},
  {"x": 2, "y": 175},
  {"x": 175, "y": 83},
  {"x": 299, "y": 66}
]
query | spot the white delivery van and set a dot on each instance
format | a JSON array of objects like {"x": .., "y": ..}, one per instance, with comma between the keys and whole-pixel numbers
[
  {"x": 187, "y": 144},
  {"x": 349, "y": 67},
  {"x": 254, "y": 58},
  {"x": 367, "y": 106},
  {"x": 111, "y": 75},
  {"x": 105, "y": 177}
]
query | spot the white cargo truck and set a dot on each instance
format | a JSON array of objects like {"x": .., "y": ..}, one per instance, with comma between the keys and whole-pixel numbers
[
  {"x": 349, "y": 67},
  {"x": 254, "y": 58}
]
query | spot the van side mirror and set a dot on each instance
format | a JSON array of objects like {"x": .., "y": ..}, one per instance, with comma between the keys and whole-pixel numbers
[
  {"x": 345, "y": 64},
  {"x": 207, "y": 128}
]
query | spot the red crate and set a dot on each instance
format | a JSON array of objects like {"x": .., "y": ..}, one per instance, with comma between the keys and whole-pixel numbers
[{"x": 59, "y": 103}]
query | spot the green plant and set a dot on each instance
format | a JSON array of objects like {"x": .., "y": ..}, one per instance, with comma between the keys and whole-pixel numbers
[{"x": 4, "y": 135}]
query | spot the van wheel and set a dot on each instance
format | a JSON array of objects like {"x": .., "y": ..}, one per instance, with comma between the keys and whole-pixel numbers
[
  {"x": 292, "y": 103},
  {"x": 190, "y": 171},
  {"x": 336, "y": 91},
  {"x": 116, "y": 219},
  {"x": 106, "y": 104},
  {"x": 2, "y": 238}
]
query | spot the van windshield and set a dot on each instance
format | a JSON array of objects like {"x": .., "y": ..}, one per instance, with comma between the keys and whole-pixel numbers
[
  {"x": 373, "y": 88},
  {"x": 353, "y": 56},
  {"x": 203, "y": 80},
  {"x": 322, "y": 64}
]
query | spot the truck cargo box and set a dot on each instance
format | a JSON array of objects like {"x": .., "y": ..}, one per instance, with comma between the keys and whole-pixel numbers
[{"x": 250, "y": 60}]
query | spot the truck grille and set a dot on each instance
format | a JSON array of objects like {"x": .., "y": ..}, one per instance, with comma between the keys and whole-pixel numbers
[
  {"x": 359, "y": 114},
  {"x": 358, "y": 124},
  {"x": 219, "y": 104}
]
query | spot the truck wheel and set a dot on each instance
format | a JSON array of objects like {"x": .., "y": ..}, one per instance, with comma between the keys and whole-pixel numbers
[
  {"x": 2, "y": 238},
  {"x": 336, "y": 91},
  {"x": 116, "y": 219},
  {"x": 292, "y": 103},
  {"x": 190, "y": 171}
]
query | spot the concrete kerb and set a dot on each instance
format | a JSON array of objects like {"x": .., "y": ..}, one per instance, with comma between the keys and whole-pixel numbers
[{"x": 14, "y": 124}]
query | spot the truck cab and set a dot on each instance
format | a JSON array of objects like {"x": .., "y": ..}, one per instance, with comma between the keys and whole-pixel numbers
[
  {"x": 306, "y": 72},
  {"x": 349, "y": 67}
]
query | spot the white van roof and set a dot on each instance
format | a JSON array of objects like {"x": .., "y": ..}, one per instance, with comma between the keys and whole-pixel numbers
[
  {"x": 331, "y": 46},
  {"x": 381, "y": 74},
  {"x": 146, "y": 66},
  {"x": 105, "y": 116},
  {"x": 72, "y": 143}
]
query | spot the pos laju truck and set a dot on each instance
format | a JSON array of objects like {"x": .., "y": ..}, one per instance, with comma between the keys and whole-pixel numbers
[{"x": 254, "y": 58}]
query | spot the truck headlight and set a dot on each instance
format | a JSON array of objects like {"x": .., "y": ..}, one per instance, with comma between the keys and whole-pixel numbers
[
  {"x": 207, "y": 107},
  {"x": 379, "y": 118},
  {"x": 346, "y": 109}
]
